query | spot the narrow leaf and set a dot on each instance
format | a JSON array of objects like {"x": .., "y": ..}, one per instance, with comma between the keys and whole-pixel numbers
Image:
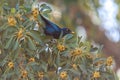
[
  {"x": 16, "y": 45},
  {"x": 68, "y": 36},
  {"x": 35, "y": 35},
  {"x": 31, "y": 44},
  {"x": 8, "y": 43}
]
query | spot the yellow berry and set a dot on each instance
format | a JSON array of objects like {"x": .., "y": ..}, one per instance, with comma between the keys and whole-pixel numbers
[
  {"x": 35, "y": 12},
  {"x": 109, "y": 61},
  {"x": 11, "y": 21},
  {"x": 61, "y": 47},
  {"x": 20, "y": 33},
  {"x": 96, "y": 74},
  {"x": 74, "y": 66},
  {"x": 10, "y": 64},
  {"x": 31, "y": 60},
  {"x": 24, "y": 73},
  {"x": 41, "y": 75},
  {"x": 76, "y": 78},
  {"x": 76, "y": 52},
  {"x": 63, "y": 75}
]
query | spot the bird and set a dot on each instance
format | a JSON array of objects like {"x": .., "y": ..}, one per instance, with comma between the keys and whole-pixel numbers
[{"x": 51, "y": 29}]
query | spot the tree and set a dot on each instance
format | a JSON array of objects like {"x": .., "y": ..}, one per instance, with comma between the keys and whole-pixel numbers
[{"x": 27, "y": 53}]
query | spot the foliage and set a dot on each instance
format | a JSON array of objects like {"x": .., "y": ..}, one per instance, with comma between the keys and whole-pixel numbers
[{"x": 26, "y": 53}]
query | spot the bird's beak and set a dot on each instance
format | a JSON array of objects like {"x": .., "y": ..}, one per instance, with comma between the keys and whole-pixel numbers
[{"x": 72, "y": 32}]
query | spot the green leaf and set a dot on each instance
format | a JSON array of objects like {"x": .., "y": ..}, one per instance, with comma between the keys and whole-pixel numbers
[
  {"x": 79, "y": 39},
  {"x": 4, "y": 61},
  {"x": 107, "y": 76},
  {"x": 68, "y": 36},
  {"x": 9, "y": 74},
  {"x": 87, "y": 46},
  {"x": 100, "y": 48},
  {"x": 47, "y": 11},
  {"x": 58, "y": 60},
  {"x": 31, "y": 76},
  {"x": 9, "y": 43},
  {"x": 32, "y": 64},
  {"x": 81, "y": 44},
  {"x": 83, "y": 68},
  {"x": 65, "y": 53},
  {"x": 44, "y": 66},
  {"x": 29, "y": 52},
  {"x": 75, "y": 72},
  {"x": 5, "y": 7},
  {"x": 13, "y": 10},
  {"x": 3, "y": 27},
  {"x": 29, "y": 25},
  {"x": 43, "y": 5},
  {"x": 16, "y": 44},
  {"x": 26, "y": 22},
  {"x": 12, "y": 43},
  {"x": 31, "y": 45},
  {"x": 35, "y": 35},
  {"x": 93, "y": 49},
  {"x": 115, "y": 76},
  {"x": 98, "y": 59},
  {"x": 16, "y": 54},
  {"x": 45, "y": 8}
]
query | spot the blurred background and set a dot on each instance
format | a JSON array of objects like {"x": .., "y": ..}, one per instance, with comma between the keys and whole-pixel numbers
[{"x": 95, "y": 20}]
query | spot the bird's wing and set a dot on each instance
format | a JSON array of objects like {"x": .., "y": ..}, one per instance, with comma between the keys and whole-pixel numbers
[
  {"x": 48, "y": 23},
  {"x": 50, "y": 30},
  {"x": 55, "y": 27}
]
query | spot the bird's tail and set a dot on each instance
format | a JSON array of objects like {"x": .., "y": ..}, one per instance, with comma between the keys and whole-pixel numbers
[{"x": 43, "y": 18}]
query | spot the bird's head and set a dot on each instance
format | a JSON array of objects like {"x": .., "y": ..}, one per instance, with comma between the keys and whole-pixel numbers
[{"x": 66, "y": 31}]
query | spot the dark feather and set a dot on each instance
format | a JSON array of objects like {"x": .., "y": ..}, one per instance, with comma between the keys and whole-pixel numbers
[{"x": 52, "y": 29}]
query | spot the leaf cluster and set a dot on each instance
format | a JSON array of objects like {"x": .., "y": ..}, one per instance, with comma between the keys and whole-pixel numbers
[{"x": 26, "y": 40}]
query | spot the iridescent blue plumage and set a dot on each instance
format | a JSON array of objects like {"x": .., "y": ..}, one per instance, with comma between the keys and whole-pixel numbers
[{"x": 54, "y": 30}]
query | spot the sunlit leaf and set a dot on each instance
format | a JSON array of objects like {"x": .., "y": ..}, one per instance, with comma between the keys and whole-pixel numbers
[{"x": 13, "y": 10}]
